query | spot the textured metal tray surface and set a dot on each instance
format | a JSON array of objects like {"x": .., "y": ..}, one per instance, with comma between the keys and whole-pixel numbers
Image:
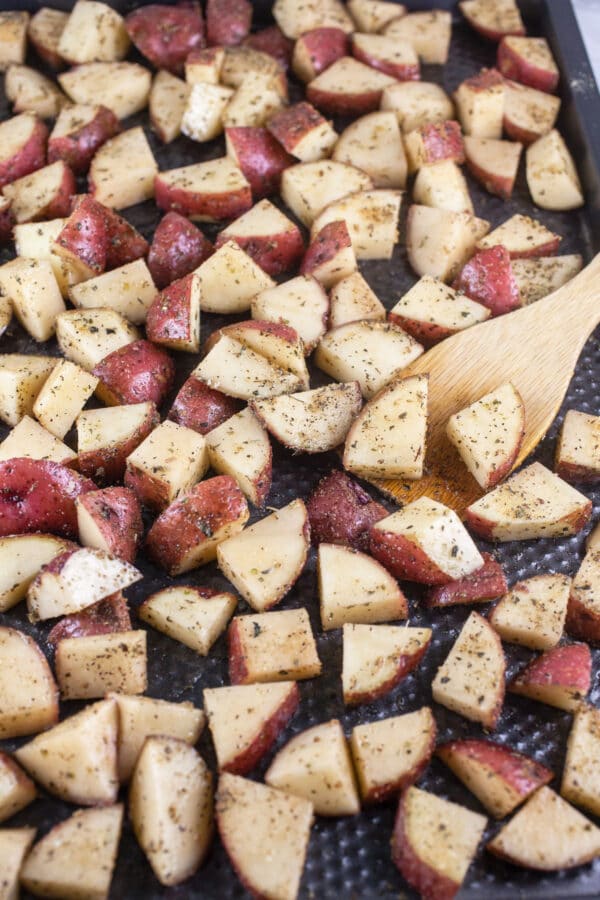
[{"x": 350, "y": 857}]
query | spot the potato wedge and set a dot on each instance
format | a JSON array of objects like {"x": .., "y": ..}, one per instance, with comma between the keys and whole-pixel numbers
[
  {"x": 92, "y": 666},
  {"x": 431, "y": 311},
  {"x": 580, "y": 784},
  {"x": 240, "y": 448},
  {"x": 533, "y": 612},
  {"x": 376, "y": 658},
  {"x": 273, "y": 646},
  {"x": 194, "y": 616},
  {"x": 560, "y": 677},
  {"x": 122, "y": 86},
  {"x": 374, "y": 144},
  {"x": 28, "y": 692},
  {"x": 371, "y": 218}
]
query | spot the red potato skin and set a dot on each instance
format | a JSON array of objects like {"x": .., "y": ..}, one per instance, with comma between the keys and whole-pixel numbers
[
  {"x": 278, "y": 329},
  {"x": 572, "y": 472},
  {"x": 107, "y": 465},
  {"x": 124, "y": 242},
  {"x": 427, "y": 333},
  {"x": 290, "y": 125},
  {"x": 341, "y": 512},
  {"x": 264, "y": 740},
  {"x": 406, "y": 663},
  {"x": 238, "y": 670},
  {"x": 430, "y": 884},
  {"x": 582, "y": 622},
  {"x": 323, "y": 47},
  {"x": 260, "y": 157},
  {"x": 166, "y": 34},
  {"x": 84, "y": 235},
  {"x": 39, "y": 495},
  {"x": 344, "y": 104},
  {"x": 442, "y": 141},
  {"x": 517, "y": 133},
  {"x": 107, "y": 616},
  {"x": 403, "y": 559},
  {"x": 550, "y": 248},
  {"x": 202, "y": 408},
  {"x": 228, "y": 21},
  {"x": 384, "y": 791},
  {"x": 491, "y": 33},
  {"x": 78, "y": 147},
  {"x": 188, "y": 521},
  {"x": 30, "y": 157},
  {"x": 517, "y": 68},
  {"x": 401, "y": 71},
  {"x": 494, "y": 184},
  {"x": 484, "y": 80},
  {"x": 273, "y": 41},
  {"x": 274, "y": 253},
  {"x": 488, "y": 279},
  {"x": 118, "y": 515},
  {"x": 177, "y": 248},
  {"x": 486, "y": 583},
  {"x": 328, "y": 243},
  {"x": 59, "y": 206},
  {"x": 569, "y": 666},
  {"x": 227, "y": 205},
  {"x": 572, "y": 523},
  {"x": 135, "y": 373},
  {"x": 168, "y": 319}
]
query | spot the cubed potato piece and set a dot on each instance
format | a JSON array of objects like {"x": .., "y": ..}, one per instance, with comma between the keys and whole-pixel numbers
[
  {"x": 300, "y": 303},
  {"x": 202, "y": 118},
  {"x": 122, "y": 171},
  {"x": 371, "y": 16},
  {"x": 13, "y": 38},
  {"x": 21, "y": 380},
  {"x": 16, "y": 790},
  {"x": 30, "y": 439},
  {"x": 536, "y": 278},
  {"x": 425, "y": 541},
  {"x": 443, "y": 186},
  {"x": 488, "y": 434},
  {"x": 433, "y": 143},
  {"x": 230, "y": 279},
  {"x": 330, "y": 255},
  {"x": 353, "y": 587},
  {"x": 376, "y": 447},
  {"x": 30, "y": 91},
  {"x": 203, "y": 66},
  {"x": 376, "y": 658},
  {"x": 205, "y": 192},
  {"x": 371, "y": 218},
  {"x": 36, "y": 240},
  {"x": 480, "y": 104},
  {"x": 439, "y": 242},
  {"x": 247, "y": 558},
  {"x": 370, "y": 352},
  {"x": 110, "y": 520},
  {"x": 374, "y": 144},
  {"x": 137, "y": 372},
  {"x": 392, "y": 753},
  {"x": 272, "y": 646},
  {"x": 552, "y": 175},
  {"x": 534, "y": 611},
  {"x": 44, "y": 31},
  {"x": 533, "y": 503},
  {"x": 194, "y": 616},
  {"x": 427, "y": 32},
  {"x": 486, "y": 583},
  {"x": 272, "y": 240},
  {"x": 228, "y": 21},
  {"x": 62, "y": 397},
  {"x": 243, "y": 61},
  {"x": 122, "y": 86},
  {"x": 240, "y": 447},
  {"x": 560, "y": 677},
  {"x": 106, "y": 437},
  {"x": 23, "y": 151},
  {"x": 88, "y": 667},
  {"x": 93, "y": 33},
  {"x": 529, "y": 61},
  {"x": 494, "y": 163},
  {"x": 487, "y": 278},
  {"x": 317, "y": 49},
  {"x": 580, "y": 783},
  {"x": 303, "y": 132},
  {"x": 431, "y": 311},
  {"x": 294, "y": 20},
  {"x": 165, "y": 36},
  {"x": 28, "y": 692},
  {"x": 21, "y": 558},
  {"x": 417, "y": 103},
  {"x": 583, "y": 613},
  {"x": 166, "y": 464},
  {"x": 578, "y": 448},
  {"x": 45, "y": 194},
  {"x": 129, "y": 290},
  {"x": 470, "y": 681},
  {"x": 387, "y": 54},
  {"x": 341, "y": 512},
  {"x": 528, "y": 113},
  {"x": 167, "y": 103},
  {"x": 14, "y": 847},
  {"x": 34, "y": 293},
  {"x": 493, "y": 18},
  {"x": 348, "y": 88},
  {"x": 86, "y": 337},
  {"x": 254, "y": 102},
  {"x": 352, "y": 299},
  {"x": 309, "y": 187},
  {"x": 523, "y": 237},
  {"x": 173, "y": 318}
]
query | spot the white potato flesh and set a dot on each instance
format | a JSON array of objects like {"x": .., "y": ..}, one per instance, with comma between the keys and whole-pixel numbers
[
  {"x": 34, "y": 293},
  {"x": 374, "y": 654},
  {"x": 92, "y": 666},
  {"x": 427, "y": 32},
  {"x": 443, "y": 186},
  {"x": 167, "y": 104},
  {"x": 219, "y": 177},
  {"x": 578, "y": 450},
  {"x": 520, "y": 235},
  {"x": 202, "y": 118},
  {"x": 141, "y": 717},
  {"x": 21, "y": 380},
  {"x": 110, "y": 426},
  {"x": 417, "y": 103},
  {"x": 87, "y": 336},
  {"x": 593, "y": 540},
  {"x": 77, "y": 759},
  {"x": 21, "y": 558},
  {"x": 488, "y": 434},
  {"x": 255, "y": 101},
  {"x": 230, "y": 280},
  {"x": 13, "y": 37},
  {"x": 240, "y": 447},
  {"x": 581, "y": 779},
  {"x": 552, "y": 175},
  {"x": 536, "y": 278},
  {"x": 122, "y": 86},
  {"x": 371, "y": 16},
  {"x": 311, "y": 421},
  {"x": 86, "y": 577},
  {"x": 77, "y": 857},
  {"x": 129, "y": 290},
  {"x": 277, "y": 646},
  {"x": 533, "y": 612},
  {"x": 32, "y": 194},
  {"x": 46, "y": 27},
  {"x": 265, "y": 833},
  {"x": 584, "y": 603},
  {"x": 493, "y": 159},
  {"x": 370, "y": 352},
  {"x": 480, "y": 110},
  {"x": 496, "y": 16},
  {"x": 29, "y": 90},
  {"x": 353, "y": 587},
  {"x": 300, "y": 303},
  {"x": 239, "y": 62},
  {"x": 238, "y": 716},
  {"x": 35, "y": 240},
  {"x": 316, "y": 765},
  {"x": 16, "y": 790},
  {"x": 263, "y": 219},
  {"x": 309, "y": 187},
  {"x": 64, "y": 394},
  {"x": 387, "y": 439},
  {"x": 528, "y": 109},
  {"x": 547, "y": 834},
  {"x": 264, "y": 560},
  {"x": 430, "y": 302},
  {"x": 186, "y": 616},
  {"x": 28, "y": 694},
  {"x": 205, "y": 68},
  {"x": 14, "y": 846},
  {"x": 93, "y": 33},
  {"x": 173, "y": 457},
  {"x": 294, "y": 20},
  {"x": 347, "y": 76},
  {"x": 371, "y": 218},
  {"x": 312, "y": 143},
  {"x": 238, "y": 371},
  {"x": 171, "y": 807},
  {"x": 470, "y": 681},
  {"x": 389, "y": 750},
  {"x": 30, "y": 439},
  {"x": 123, "y": 170},
  {"x": 283, "y": 350},
  {"x": 352, "y": 299},
  {"x": 440, "y": 241},
  {"x": 6, "y": 314},
  {"x": 533, "y": 503}
]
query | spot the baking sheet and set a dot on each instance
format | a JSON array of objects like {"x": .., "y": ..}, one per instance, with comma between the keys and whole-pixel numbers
[{"x": 350, "y": 857}]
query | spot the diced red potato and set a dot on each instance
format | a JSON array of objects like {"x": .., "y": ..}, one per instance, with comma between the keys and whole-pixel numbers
[
  {"x": 240, "y": 447},
  {"x": 17, "y": 791},
  {"x": 128, "y": 289},
  {"x": 533, "y": 612},
  {"x": 301, "y": 303},
  {"x": 487, "y": 278},
  {"x": 431, "y": 311},
  {"x": 494, "y": 163},
  {"x": 486, "y": 583},
  {"x": 201, "y": 407},
  {"x": 439, "y": 241},
  {"x": 529, "y": 61},
  {"x": 317, "y": 49},
  {"x": 443, "y": 186},
  {"x": 135, "y": 373},
  {"x": 202, "y": 118},
  {"x": 44, "y": 31},
  {"x": 174, "y": 316},
  {"x": 165, "y": 35},
  {"x": 277, "y": 343},
  {"x": 552, "y": 176},
  {"x": 123, "y": 86},
  {"x": 371, "y": 217},
  {"x": 583, "y": 612},
  {"x": 428, "y": 33},
  {"x": 194, "y": 616},
  {"x": 34, "y": 295},
  {"x": 348, "y": 87},
  {"x": 178, "y": 247},
  {"x": 27, "y": 687},
  {"x": 272, "y": 40},
  {"x": 480, "y": 104},
  {"x": 330, "y": 255},
  {"x": 522, "y": 237},
  {"x": 238, "y": 370},
  {"x": 13, "y": 37},
  {"x": 110, "y": 520},
  {"x": 93, "y": 33},
  {"x": 123, "y": 171},
  {"x": 580, "y": 774},
  {"x": 86, "y": 337},
  {"x": 341, "y": 512},
  {"x": 560, "y": 677},
  {"x": 106, "y": 616},
  {"x": 432, "y": 143},
  {"x": 7, "y": 222},
  {"x": 352, "y": 299},
  {"x": 528, "y": 113},
  {"x": 533, "y": 503},
  {"x": 536, "y": 278},
  {"x": 372, "y": 16},
  {"x": 106, "y": 437},
  {"x": 295, "y": 20},
  {"x": 374, "y": 144},
  {"x": 578, "y": 448},
  {"x": 21, "y": 557},
  {"x": 259, "y": 156},
  {"x": 30, "y": 91},
  {"x": 230, "y": 279},
  {"x": 187, "y": 533},
  {"x": 203, "y": 66},
  {"x": 167, "y": 102},
  {"x": 32, "y": 440},
  {"x": 387, "y": 54},
  {"x": 90, "y": 667},
  {"x": 242, "y": 63},
  {"x": 267, "y": 236},
  {"x": 205, "y": 192},
  {"x": 417, "y": 103},
  {"x": 21, "y": 380},
  {"x": 278, "y": 645},
  {"x": 83, "y": 239},
  {"x": 258, "y": 97},
  {"x": 45, "y": 194},
  {"x": 308, "y": 188},
  {"x": 303, "y": 132},
  {"x": 493, "y": 20},
  {"x": 227, "y": 21}
]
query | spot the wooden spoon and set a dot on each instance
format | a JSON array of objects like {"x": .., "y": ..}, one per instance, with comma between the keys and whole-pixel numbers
[{"x": 536, "y": 348}]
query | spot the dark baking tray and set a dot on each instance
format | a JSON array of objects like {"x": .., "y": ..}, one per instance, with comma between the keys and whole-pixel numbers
[{"x": 350, "y": 857}]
